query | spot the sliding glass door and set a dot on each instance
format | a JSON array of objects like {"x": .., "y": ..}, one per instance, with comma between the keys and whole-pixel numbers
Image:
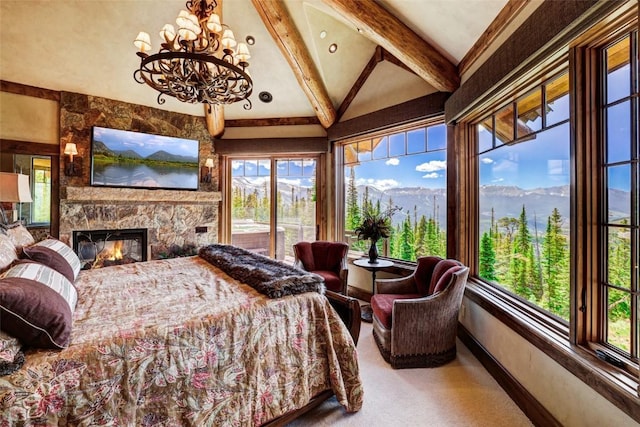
[{"x": 272, "y": 203}]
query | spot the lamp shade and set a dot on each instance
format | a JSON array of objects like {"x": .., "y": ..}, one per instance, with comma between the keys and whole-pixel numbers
[
  {"x": 143, "y": 41},
  {"x": 209, "y": 163},
  {"x": 14, "y": 187},
  {"x": 70, "y": 149}
]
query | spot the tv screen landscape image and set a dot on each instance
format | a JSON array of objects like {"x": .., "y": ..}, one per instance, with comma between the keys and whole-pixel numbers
[{"x": 132, "y": 159}]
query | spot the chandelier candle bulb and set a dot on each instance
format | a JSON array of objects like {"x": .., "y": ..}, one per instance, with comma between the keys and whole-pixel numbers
[
  {"x": 213, "y": 23},
  {"x": 143, "y": 42},
  {"x": 228, "y": 39},
  {"x": 168, "y": 33},
  {"x": 243, "y": 52},
  {"x": 198, "y": 63}
]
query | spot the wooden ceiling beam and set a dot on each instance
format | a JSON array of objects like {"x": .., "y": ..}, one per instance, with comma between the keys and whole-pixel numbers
[
  {"x": 214, "y": 116},
  {"x": 364, "y": 75},
  {"x": 280, "y": 121},
  {"x": 384, "y": 29},
  {"x": 281, "y": 27}
]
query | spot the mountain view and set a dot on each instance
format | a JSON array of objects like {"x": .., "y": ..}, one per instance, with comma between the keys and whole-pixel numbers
[{"x": 101, "y": 149}]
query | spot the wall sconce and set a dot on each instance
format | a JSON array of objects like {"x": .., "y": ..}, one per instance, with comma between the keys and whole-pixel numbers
[
  {"x": 206, "y": 175},
  {"x": 71, "y": 167}
]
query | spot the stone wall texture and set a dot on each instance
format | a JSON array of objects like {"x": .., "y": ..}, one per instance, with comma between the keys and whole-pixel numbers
[{"x": 171, "y": 217}]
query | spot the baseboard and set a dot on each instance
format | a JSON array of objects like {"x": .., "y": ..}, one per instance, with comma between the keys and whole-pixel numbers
[{"x": 537, "y": 413}]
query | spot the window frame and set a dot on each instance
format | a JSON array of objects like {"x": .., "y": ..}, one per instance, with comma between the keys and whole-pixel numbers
[
  {"x": 226, "y": 177},
  {"x": 339, "y": 175},
  {"x": 560, "y": 68},
  {"x": 600, "y": 305}
]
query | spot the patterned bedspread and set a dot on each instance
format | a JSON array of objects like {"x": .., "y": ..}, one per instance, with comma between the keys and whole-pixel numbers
[{"x": 178, "y": 342}]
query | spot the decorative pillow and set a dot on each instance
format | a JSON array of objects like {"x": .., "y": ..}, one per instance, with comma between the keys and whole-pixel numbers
[
  {"x": 7, "y": 252},
  {"x": 36, "y": 305},
  {"x": 11, "y": 355},
  {"x": 55, "y": 254},
  {"x": 18, "y": 234},
  {"x": 9, "y": 347}
]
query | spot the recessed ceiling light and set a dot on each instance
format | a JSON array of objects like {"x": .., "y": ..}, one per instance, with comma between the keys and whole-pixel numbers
[
  {"x": 265, "y": 97},
  {"x": 333, "y": 47},
  {"x": 323, "y": 34},
  {"x": 250, "y": 40}
]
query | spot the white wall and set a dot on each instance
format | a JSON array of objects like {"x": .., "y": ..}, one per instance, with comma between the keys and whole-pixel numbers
[
  {"x": 25, "y": 118},
  {"x": 567, "y": 398}
]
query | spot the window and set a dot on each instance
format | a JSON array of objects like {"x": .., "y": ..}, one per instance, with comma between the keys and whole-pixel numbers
[
  {"x": 258, "y": 185},
  {"x": 524, "y": 206},
  {"x": 549, "y": 216},
  {"x": 37, "y": 212},
  {"x": 402, "y": 168},
  {"x": 619, "y": 115}
]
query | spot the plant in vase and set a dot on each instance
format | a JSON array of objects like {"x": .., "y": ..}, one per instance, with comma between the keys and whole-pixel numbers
[{"x": 375, "y": 225}]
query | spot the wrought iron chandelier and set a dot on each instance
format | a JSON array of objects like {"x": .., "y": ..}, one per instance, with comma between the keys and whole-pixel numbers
[{"x": 200, "y": 63}]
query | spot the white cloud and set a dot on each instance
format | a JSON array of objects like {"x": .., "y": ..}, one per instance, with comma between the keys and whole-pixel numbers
[
  {"x": 394, "y": 161},
  {"x": 431, "y": 175},
  {"x": 487, "y": 160},
  {"x": 380, "y": 184},
  {"x": 432, "y": 166},
  {"x": 506, "y": 166}
]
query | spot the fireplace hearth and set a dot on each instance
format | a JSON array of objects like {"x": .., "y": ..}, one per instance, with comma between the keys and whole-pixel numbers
[{"x": 104, "y": 248}]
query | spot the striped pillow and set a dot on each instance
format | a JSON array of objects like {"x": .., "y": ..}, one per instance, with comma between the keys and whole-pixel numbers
[
  {"x": 36, "y": 305},
  {"x": 55, "y": 254},
  {"x": 7, "y": 252}
]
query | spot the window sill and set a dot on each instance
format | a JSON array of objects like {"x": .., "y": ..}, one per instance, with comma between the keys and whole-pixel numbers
[{"x": 552, "y": 338}]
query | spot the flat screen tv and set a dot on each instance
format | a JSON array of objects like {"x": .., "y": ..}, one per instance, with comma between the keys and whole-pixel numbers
[{"x": 132, "y": 159}]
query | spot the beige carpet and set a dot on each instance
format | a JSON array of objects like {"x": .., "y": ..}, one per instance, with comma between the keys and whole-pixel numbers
[{"x": 461, "y": 393}]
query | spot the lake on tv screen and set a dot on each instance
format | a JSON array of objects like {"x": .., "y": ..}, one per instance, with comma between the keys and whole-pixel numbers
[{"x": 137, "y": 175}]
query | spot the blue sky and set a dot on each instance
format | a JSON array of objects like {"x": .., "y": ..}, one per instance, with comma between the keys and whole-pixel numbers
[
  {"x": 145, "y": 144},
  {"x": 391, "y": 167},
  {"x": 427, "y": 171}
]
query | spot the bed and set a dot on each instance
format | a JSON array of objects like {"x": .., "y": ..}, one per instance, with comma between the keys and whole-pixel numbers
[{"x": 182, "y": 342}]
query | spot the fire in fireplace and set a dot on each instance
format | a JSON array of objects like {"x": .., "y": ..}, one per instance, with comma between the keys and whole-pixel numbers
[{"x": 104, "y": 248}]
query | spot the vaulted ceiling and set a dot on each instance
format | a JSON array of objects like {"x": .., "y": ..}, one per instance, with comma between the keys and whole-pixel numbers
[{"x": 389, "y": 51}]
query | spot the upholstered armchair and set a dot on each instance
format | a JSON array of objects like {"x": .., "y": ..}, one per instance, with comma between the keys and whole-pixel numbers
[
  {"x": 327, "y": 259},
  {"x": 415, "y": 318}
]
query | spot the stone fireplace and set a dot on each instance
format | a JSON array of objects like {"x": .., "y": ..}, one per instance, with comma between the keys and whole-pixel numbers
[
  {"x": 170, "y": 217},
  {"x": 104, "y": 248}
]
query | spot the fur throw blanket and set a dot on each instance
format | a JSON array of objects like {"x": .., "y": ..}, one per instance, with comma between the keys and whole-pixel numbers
[{"x": 268, "y": 276}]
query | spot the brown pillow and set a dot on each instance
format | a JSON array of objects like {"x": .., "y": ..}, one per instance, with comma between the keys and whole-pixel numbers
[
  {"x": 36, "y": 305},
  {"x": 55, "y": 254}
]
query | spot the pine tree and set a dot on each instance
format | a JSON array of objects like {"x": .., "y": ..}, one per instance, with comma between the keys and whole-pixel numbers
[
  {"x": 406, "y": 249},
  {"x": 521, "y": 260},
  {"x": 487, "y": 258},
  {"x": 421, "y": 237},
  {"x": 555, "y": 263},
  {"x": 353, "y": 210}
]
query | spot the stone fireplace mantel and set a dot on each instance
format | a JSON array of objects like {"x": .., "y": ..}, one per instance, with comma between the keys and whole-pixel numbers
[{"x": 96, "y": 194}]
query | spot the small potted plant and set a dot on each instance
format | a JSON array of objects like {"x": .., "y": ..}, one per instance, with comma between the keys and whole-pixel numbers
[{"x": 375, "y": 226}]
